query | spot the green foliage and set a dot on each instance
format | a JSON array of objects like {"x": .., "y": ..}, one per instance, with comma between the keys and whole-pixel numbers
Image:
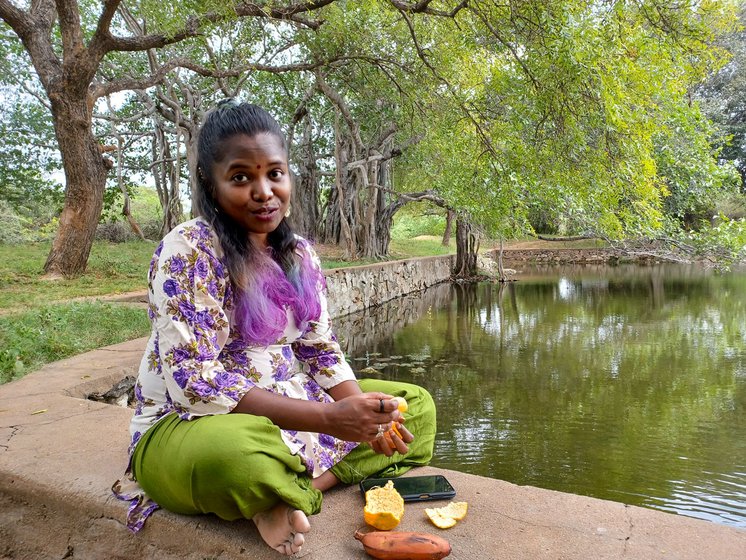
[
  {"x": 724, "y": 241},
  {"x": 731, "y": 205},
  {"x": 565, "y": 117},
  {"x": 29, "y": 199},
  {"x": 556, "y": 122},
  {"x": 52, "y": 332},
  {"x": 723, "y": 98},
  {"x": 418, "y": 219},
  {"x": 688, "y": 165}
]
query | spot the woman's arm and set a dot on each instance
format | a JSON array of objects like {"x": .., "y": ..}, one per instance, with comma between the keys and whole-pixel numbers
[{"x": 354, "y": 417}]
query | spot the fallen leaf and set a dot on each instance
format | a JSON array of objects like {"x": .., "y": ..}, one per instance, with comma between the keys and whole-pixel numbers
[{"x": 42, "y": 411}]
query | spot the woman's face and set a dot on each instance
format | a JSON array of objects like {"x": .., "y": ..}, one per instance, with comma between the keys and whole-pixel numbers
[{"x": 252, "y": 183}]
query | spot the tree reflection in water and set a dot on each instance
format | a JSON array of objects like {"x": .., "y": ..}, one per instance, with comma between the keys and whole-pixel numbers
[{"x": 624, "y": 383}]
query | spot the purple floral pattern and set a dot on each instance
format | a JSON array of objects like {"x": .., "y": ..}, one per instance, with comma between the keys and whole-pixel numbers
[{"x": 195, "y": 365}]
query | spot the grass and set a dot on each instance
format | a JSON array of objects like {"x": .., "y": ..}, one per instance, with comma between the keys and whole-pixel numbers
[
  {"x": 112, "y": 268},
  {"x": 49, "y": 333},
  {"x": 420, "y": 246}
]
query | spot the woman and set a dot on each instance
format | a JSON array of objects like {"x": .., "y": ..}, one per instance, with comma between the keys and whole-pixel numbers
[{"x": 245, "y": 404}]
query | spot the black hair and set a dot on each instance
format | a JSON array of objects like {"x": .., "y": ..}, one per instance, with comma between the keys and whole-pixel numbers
[{"x": 230, "y": 118}]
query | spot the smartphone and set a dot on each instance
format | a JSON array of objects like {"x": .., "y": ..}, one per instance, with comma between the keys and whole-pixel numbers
[{"x": 415, "y": 488}]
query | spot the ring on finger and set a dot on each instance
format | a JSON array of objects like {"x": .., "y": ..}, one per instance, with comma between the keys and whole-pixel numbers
[{"x": 380, "y": 432}]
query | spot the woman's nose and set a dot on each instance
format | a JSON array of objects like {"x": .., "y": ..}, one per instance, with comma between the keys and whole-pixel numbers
[{"x": 261, "y": 190}]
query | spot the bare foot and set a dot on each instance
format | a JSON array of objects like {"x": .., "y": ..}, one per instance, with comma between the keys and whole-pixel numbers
[{"x": 283, "y": 528}]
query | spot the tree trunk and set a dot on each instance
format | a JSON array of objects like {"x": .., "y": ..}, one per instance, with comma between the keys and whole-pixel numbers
[
  {"x": 85, "y": 181},
  {"x": 449, "y": 226},
  {"x": 340, "y": 160},
  {"x": 304, "y": 216},
  {"x": 127, "y": 206},
  {"x": 168, "y": 179},
  {"x": 466, "y": 251},
  {"x": 192, "y": 156},
  {"x": 500, "y": 268}
]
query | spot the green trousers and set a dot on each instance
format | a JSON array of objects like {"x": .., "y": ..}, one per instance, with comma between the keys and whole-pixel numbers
[{"x": 236, "y": 465}]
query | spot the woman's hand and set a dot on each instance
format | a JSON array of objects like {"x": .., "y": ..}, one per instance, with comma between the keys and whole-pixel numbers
[
  {"x": 396, "y": 439},
  {"x": 363, "y": 416}
]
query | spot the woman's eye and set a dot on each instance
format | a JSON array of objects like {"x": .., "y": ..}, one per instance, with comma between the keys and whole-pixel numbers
[
  {"x": 276, "y": 173},
  {"x": 240, "y": 178}
]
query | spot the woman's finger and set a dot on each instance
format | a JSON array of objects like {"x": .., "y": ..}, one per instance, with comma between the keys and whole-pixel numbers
[
  {"x": 398, "y": 443},
  {"x": 405, "y": 434},
  {"x": 380, "y": 447}
]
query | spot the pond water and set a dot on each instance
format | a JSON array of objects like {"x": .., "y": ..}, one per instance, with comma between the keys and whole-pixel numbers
[{"x": 624, "y": 383}]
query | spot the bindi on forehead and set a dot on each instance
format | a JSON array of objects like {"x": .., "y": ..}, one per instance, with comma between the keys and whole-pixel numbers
[{"x": 258, "y": 166}]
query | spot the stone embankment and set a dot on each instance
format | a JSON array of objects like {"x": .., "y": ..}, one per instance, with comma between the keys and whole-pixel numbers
[
  {"x": 361, "y": 287},
  {"x": 569, "y": 256}
]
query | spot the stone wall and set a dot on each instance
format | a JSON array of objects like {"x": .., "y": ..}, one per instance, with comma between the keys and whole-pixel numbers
[
  {"x": 359, "y": 287},
  {"x": 600, "y": 255},
  {"x": 359, "y": 331}
]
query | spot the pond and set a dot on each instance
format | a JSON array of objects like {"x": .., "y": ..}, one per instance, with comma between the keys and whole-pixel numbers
[{"x": 624, "y": 383}]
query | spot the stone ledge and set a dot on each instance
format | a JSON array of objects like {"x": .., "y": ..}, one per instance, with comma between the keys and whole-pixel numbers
[{"x": 59, "y": 455}]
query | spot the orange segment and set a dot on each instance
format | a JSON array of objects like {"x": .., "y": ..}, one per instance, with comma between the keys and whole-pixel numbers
[{"x": 384, "y": 507}]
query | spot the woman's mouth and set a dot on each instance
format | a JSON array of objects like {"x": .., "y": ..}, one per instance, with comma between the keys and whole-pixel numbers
[{"x": 265, "y": 214}]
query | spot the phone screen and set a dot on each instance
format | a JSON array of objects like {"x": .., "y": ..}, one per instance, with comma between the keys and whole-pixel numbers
[{"x": 415, "y": 488}]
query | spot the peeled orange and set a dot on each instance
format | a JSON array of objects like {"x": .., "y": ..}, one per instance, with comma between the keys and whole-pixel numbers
[
  {"x": 384, "y": 507},
  {"x": 447, "y": 516},
  {"x": 402, "y": 404}
]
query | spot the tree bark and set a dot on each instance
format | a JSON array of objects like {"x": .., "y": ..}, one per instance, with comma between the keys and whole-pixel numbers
[
  {"x": 341, "y": 163},
  {"x": 467, "y": 247},
  {"x": 304, "y": 216},
  {"x": 450, "y": 214},
  {"x": 85, "y": 181}
]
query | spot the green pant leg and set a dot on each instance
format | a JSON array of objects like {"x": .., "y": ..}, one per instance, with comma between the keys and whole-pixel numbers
[
  {"x": 363, "y": 462},
  {"x": 232, "y": 465}
]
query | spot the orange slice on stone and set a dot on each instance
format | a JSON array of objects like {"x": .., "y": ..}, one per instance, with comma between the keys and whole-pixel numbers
[{"x": 447, "y": 516}]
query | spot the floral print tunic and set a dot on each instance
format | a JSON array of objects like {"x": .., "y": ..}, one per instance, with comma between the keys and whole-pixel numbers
[{"x": 196, "y": 365}]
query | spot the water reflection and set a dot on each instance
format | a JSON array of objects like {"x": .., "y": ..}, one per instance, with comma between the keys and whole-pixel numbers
[{"x": 623, "y": 383}]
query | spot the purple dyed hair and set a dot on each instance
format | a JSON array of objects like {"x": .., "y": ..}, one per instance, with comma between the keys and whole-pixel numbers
[{"x": 259, "y": 312}]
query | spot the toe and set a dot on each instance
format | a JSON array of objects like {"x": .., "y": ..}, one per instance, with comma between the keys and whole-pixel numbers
[{"x": 298, "y": 539}]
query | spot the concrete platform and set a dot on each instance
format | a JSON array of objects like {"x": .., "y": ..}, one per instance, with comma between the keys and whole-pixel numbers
[{"x": 60, "y": 453}]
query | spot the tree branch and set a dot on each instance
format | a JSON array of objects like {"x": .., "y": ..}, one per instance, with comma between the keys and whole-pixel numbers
[
  {"x": 68, "y": 13},
  {"x": 18, "y": 20},
  {"x": 507, "y": 45},
  {"x": 102, "y": 33},
  {"x": 423, "y": 7},
  {"x": 158, "y": 76},
  {"x": 194, "y": 24},
  {"x": 336, "y": 98},
  {"x": 423, "y": 56}
]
